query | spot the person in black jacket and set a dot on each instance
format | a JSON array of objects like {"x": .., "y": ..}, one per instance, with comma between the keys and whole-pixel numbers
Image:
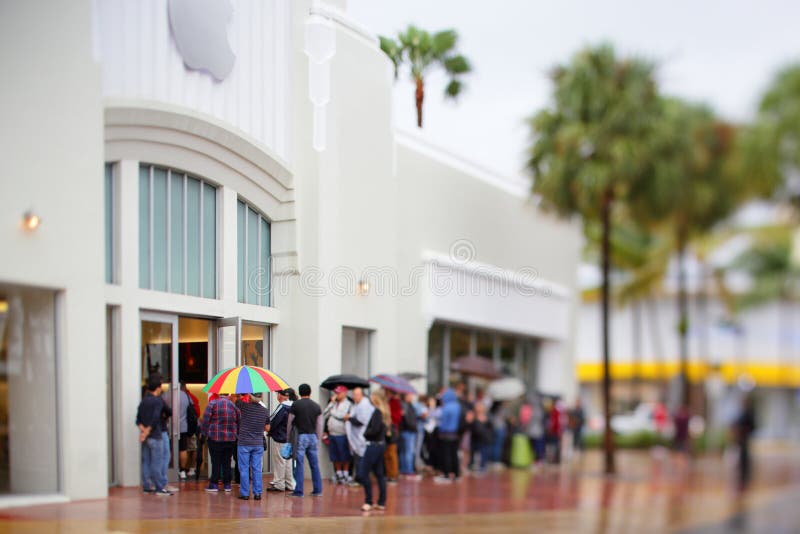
[
  {"x": 379, "y": 423},
  {"x": 283, "y": 477},
  {"x": 482, "y": 435}
]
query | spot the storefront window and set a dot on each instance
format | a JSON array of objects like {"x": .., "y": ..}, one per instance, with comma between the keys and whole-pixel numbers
[
  {"x": 28, "y": 438},
  {"x": 253, "y": 258},
  {"x": 177, "y": 233}
]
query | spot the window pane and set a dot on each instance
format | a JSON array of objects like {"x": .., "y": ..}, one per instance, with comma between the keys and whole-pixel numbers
[
  {"x": 252, "y": 256},
  {"x": 159, "y": 229},
  {"x": 253, "y": 345},
  {"x": 241, "y": 213},
  {"x": 144, "y": 227},
  {"x": 176, "y": 234},
  {"x": 28, "y": 440},
  {"x": 209, "y": 241},
  {"x": 192, "y": 237},
  {"x": 264, "y": 270},
  {"x": 486, "y": 344},
  {"x": 109, "y": 190}
]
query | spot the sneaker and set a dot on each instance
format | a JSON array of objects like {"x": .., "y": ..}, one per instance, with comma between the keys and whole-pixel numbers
[
  {"x": 172, "y": 489},
  {"x": 227, "y": 488},
  {"x": 244, "y": 497},
  {"x": 182, "y": 475},
  {"x": 293, "y": 494},
  {"x": 212, "y": 488},
  {"x": 366, "y": 507},
  {"x": 379, "y": 507},
  {"x": 148, "y": 490},
  {"x": 317, "y": 494},
  {"x": 441, "y": 480},
  {"x": 163, "y": 493},
  {"x": 192, "y": 472},
  {"x": 391, "y": 481},
  {"x": 274, "y": 489},
  {"x": 257, "y": 497}
]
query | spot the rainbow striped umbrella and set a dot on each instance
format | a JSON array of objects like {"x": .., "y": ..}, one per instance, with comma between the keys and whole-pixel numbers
[{"x": 245, "y": 379}]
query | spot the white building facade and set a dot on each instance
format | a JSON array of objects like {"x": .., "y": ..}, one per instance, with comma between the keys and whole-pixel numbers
[{"x": 259, "y": 209}]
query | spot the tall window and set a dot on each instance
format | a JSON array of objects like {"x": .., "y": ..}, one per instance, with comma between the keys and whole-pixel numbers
[
  {"x": 254, "y": 271},
  {"x": 177, "y": 233},
  {"x": 109, "y": 216}
]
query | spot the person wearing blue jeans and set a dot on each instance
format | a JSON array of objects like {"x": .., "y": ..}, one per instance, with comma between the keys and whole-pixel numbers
[
  {"x": 250, "y": 450},
  {"x": 408, "y": 443},
  {"x": 152, "y": 460},
  {"x": 250, "y": 458},
  {"x": 408, "y": 436},
  {"x": 307, "y": 447},
  {"x": 148, "y": 420},
  {"x": 306, "y": 417}
]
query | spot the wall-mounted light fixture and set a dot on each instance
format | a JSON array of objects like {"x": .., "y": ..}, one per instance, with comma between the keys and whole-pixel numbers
[
  {"x": 31, "y": 221},
  {"x": 363, "y": 287}
]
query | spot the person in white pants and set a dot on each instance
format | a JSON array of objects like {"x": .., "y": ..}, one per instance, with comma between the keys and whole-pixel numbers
[{"x": 282, "y": 473}]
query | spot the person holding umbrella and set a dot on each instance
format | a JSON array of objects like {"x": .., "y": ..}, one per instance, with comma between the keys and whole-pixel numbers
[
  {"x": 222, "y": 418},
  {"x": 336, "y": 433},
  {"x": 250, "y": 450},
  {"x": 221, "y": 428}
]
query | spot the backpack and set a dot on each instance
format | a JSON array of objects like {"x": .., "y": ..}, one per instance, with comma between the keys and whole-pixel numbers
[{"x": 192, "y": 425}]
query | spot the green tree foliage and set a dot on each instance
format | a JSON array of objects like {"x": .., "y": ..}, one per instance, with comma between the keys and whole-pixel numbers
[
  {"x": 422, "y": 51},
  {"x": 592, "y": 147}
]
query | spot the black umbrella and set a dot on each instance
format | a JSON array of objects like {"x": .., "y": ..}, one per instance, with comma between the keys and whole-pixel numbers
[{"x": 348, "y": 381}]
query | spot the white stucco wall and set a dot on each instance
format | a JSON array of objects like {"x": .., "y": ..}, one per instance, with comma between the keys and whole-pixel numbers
[{"x": 51, "y": 145}]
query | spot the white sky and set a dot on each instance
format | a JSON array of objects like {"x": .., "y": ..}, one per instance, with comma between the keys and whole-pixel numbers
[{"x": 722, "y": 52}]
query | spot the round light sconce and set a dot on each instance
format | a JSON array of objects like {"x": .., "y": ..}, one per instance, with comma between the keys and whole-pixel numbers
[{"x": 31, "y": 221}]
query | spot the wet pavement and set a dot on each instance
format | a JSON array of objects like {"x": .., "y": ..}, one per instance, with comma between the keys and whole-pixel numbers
[{"x": 654, "y": 491}]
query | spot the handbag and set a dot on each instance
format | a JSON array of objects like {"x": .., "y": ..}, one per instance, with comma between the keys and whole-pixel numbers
[{"x": 286, "y": 451}]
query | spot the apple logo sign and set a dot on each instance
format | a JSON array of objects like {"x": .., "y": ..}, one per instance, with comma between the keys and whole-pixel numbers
[{"x": 201, "y": 36}]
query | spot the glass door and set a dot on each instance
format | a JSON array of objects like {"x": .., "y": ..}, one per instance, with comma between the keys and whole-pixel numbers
[
  {"x": 229, "y": 336},
  {"x": 160, "y": 356}
]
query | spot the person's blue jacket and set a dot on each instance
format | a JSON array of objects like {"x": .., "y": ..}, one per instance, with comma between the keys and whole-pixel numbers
[{"x": 451, "y": 412}]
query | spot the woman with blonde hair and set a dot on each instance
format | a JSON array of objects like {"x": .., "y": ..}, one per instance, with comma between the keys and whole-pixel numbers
[{"x": 380, "y": 422}]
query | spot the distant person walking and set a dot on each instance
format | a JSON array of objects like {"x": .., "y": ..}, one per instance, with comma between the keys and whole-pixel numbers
[
  {"x": 250, "y": 450},
  {"x": 743, "y": 429},
  {"x": 148, "y": 420},
  {"x": 306, "y": 415},
  {"x": 221, "y": 428},
  {"x": 336, "y": 432},
  {"x": 282, "y": 472},
  {"x": 577, "y": 420},
  {"x": 377, "y": 427}
]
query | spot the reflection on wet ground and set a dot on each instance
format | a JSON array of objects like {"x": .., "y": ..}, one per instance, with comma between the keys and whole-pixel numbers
[{"x": 654, "y": 492}]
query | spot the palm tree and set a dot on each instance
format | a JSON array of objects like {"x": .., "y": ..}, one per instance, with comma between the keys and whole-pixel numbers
[
  {"x": 424, "y": 51},
  {"x": 698, "y": 186},
  {"x": 590, "y": 149}
]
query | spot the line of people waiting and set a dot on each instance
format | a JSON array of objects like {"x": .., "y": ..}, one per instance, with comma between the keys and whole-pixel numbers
[{"x": 386, "y": 435}]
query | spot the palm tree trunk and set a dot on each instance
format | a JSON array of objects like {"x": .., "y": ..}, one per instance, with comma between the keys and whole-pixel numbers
[
  {"x": 608, "y": 441},
  {"x": 683, "y": 316},
  {"x": 420, "y": 96}
]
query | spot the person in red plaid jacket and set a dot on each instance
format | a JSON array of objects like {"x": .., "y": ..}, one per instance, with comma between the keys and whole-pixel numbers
[{"x": 221, "y": 427}]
